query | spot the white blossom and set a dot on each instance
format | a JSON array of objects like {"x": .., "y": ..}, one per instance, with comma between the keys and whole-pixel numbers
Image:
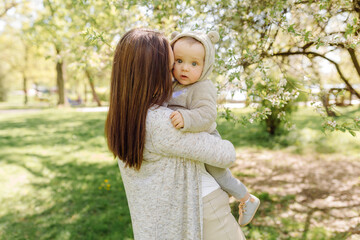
[
  {"x": 267, "y": 111},
  {"x": 319, "y": 110},
  {"x": 289, "y": 126},
  {"x": 255, "y": 115},
  {"x": 286, "y": 96},
  {"x": 332, "y": 123},
  {"x": 282, "y": 82},
  {"x": 254, "y": 105},
  {"x": 295, "y": 94},
  {"x": 281, "y": 114}
]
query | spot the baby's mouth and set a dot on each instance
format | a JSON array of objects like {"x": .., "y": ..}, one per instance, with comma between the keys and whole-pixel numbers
[{"x": 183, "y": 76}]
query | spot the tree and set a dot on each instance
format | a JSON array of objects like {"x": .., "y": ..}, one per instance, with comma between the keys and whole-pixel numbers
[
  {"x": 263, "y": 38},
  {"x": 5, "y": 6},
  {"x": 52, "y": 30},
  {"x": 259, "y": 39},
  {"x": 82, "y": 34}
]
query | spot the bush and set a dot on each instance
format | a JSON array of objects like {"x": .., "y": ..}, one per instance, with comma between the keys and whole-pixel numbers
[{"x": 276, "y": 121}]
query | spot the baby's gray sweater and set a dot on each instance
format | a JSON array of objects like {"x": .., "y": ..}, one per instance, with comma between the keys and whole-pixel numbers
[{"x": 197, "y": 105}]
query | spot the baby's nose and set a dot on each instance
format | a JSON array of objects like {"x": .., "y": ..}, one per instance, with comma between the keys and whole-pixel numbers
[{"x": 185, "y": 67}]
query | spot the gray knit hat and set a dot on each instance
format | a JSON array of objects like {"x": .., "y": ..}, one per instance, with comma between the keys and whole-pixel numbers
[{"x": 208, "y": 41}]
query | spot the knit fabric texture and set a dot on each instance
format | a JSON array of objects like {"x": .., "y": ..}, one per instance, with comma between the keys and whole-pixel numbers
[
  {"x": 164, "y": 196},
  {"x": 197, "y": 105}
]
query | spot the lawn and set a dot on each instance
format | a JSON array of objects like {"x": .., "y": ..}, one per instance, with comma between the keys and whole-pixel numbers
[{"x": 58, "y": 181}]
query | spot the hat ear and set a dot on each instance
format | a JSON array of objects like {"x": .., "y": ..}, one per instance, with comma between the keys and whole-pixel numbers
[
  {"x": 174, "y": 34},
  {"x": 214, "y": 36}
]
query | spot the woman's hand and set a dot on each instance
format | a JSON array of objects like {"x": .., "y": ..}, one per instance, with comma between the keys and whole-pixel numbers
[{"x": 177, "y": 119}]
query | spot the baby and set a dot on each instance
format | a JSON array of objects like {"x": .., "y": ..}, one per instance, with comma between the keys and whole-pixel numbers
[{"x": 194, "y": 102}]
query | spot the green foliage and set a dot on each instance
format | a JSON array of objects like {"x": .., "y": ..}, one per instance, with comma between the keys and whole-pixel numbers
[
  {"x": 308, "y": 136},
  {"x": 254, "y": 34},
  {"x": 278, "y": 119}
]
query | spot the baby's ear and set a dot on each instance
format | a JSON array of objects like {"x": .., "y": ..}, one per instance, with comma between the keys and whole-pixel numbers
[
  {"x": 214, "y": 36},
  {"x": 174, "y": 34}
]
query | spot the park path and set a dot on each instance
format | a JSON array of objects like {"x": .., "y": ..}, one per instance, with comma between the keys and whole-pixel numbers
[
  {"x": 6, "y": 111},
  {"x": 326, "y": 187},
  {"x": 36, "y": 110}
]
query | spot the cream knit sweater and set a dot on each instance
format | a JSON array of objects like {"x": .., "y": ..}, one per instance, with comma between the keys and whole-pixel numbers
[{"x": 164, "y": 196}]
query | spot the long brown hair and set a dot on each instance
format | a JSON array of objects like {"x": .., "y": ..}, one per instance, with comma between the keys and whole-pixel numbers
[{"x": 140, "y": 78}]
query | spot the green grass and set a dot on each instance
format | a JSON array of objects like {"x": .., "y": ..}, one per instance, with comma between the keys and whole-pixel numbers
[
  {"x": 55, "y": 168},
  {"x": 54, "y": 171}
]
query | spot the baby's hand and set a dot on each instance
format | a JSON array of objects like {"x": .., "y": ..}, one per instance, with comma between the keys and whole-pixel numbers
[{"x": 177, "y": 119}]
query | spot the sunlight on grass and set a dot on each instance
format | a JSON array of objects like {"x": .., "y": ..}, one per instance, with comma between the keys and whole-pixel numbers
[
  {"x": 52, "y": 164},
  {"x": 58, "y": 180}
]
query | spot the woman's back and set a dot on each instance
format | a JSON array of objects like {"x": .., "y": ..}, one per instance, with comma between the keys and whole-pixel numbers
[
  {"x": 164, "y": 194},
  {"x": 160, "y": 166},
  {"x": 162, "y": 191}
]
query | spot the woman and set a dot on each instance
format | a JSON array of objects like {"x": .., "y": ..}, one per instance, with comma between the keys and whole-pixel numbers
[{"x": 161, "y": 167}]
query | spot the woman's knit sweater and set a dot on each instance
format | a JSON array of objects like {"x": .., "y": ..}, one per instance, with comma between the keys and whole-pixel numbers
[{"x": 164, "y": 196}]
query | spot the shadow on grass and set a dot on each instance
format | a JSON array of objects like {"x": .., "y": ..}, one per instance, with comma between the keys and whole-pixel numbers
[
  {"x": 72, "y": 129},
  {"x": 302, "y": 197},
  {"x": 67, "y": 196},
  {"x": 84, "y": 201},
  {"x": 270, "y": 225}
]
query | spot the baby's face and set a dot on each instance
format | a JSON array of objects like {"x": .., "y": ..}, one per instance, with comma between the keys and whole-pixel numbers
[{"x": 189, "y": 61}]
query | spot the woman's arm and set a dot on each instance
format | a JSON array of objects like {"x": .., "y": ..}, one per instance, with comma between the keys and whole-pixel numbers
[{"x": 201, "y": 146}]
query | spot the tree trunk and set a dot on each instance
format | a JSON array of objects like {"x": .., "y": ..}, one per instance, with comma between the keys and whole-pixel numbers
[
  {"x": 85, "y": 93},
  {"x": 60, "y": 82},
  {"x": 25, "y": 89},
  {"x": 91, "y": 82},
  {"x": 24, "y": 71},
  {"x": 3, "y": 90},
  {"x": 60, "y": 78},
  {"x": 325, "y": 101}
]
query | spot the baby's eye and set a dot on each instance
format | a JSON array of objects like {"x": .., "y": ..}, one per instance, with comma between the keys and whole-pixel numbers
[
  {"x": 194, "y": 64},
  {"x": 179, "y": 61}
]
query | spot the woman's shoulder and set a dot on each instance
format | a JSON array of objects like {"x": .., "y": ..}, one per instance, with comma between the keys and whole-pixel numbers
[
  {"x": 158, "y": 122},
  {"x": 157, "y": 110}
]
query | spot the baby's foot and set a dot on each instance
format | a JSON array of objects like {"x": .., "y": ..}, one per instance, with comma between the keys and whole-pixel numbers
[{"x": 247, "y": 210}]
